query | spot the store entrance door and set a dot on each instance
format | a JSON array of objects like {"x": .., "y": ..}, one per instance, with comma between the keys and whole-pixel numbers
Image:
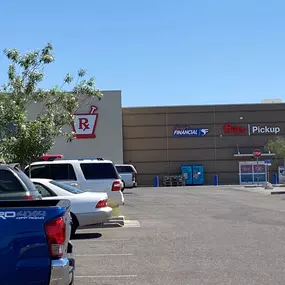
[{"x": 250, "y": 171}]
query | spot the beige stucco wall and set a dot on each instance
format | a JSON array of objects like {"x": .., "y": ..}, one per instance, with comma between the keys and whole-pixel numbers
[{"x": 109, "y": 135}]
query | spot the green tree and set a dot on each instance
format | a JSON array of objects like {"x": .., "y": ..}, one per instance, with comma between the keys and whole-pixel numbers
[
  {"x": 277, "y": 146},
  {"x": 23, "y": 140}
]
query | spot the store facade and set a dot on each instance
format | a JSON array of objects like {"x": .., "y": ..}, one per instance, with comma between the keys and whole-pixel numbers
[
  {"x": 98, "y": 129},
  {"x": 221, "y": 139},
  {"x": 161, "y": 141}
]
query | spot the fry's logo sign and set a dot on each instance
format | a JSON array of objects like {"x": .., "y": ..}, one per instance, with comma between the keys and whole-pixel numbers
[
  {"x": 84, "y": 125},
  {"x": 228, "y": 129}
]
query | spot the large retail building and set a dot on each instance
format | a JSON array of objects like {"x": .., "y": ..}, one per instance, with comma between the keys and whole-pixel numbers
[
  {"x": 221, "y": 139},
  {"x": 159, "y": 140}
]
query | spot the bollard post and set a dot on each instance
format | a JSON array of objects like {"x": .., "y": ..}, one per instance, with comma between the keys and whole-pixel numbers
[
  {"x": 275, "y": 178},
  {"x": 216, "y": 180},
  {"x": 156, "y": 181}
]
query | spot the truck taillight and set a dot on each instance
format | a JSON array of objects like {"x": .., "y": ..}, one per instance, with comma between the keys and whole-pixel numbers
[
  {"x": 102, "y": 204},
  {"x": 56, "y": 235},
  {"x": 116, "y": 185}
]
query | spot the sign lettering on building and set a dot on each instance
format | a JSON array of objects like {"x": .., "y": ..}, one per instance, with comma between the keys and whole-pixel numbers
[
  {"x": 251, "y": 129},
  {"x": 84, "y": 124},
  {"x": 186, "y": 131},
  {"x": 231, "y": 129},
  {"x": 257, "y": 129}
]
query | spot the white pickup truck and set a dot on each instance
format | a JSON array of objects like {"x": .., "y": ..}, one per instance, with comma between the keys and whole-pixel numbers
[{"x": 127, "y": 173}]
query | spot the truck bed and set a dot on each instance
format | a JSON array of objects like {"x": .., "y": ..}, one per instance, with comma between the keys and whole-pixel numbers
[{"x": 24, "y": 249}]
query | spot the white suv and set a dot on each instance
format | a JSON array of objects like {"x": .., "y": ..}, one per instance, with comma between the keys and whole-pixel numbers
[{"x": 90, "y": 175}]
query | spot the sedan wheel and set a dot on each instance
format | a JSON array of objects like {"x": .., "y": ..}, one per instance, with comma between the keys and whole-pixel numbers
[{"x": 74, "y": 225}]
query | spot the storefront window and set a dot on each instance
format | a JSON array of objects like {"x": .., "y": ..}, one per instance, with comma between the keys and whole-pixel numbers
[
  {"x": 262, "y": 178},
  {"x": 246, "y": 168},
  {"x": 251, "y": 173},
  {"x": 260, "y": 168},
  {"x": 246, "y": 178}
]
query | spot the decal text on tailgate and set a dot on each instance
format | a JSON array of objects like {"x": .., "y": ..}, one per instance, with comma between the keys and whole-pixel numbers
[{"x": 22, "y": 215}]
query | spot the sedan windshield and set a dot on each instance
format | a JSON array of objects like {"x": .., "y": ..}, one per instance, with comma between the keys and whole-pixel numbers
[{"x": 66, "y": 187}]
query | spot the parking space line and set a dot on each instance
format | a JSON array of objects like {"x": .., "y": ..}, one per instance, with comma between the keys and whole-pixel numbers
[
  {"x": 106, "y": 254},
  {"x": 107, "y": 276},
  {"x": 132, "y": 224}
]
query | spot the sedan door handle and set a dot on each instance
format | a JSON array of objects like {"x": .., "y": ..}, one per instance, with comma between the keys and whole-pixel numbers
[{"x": 73, "y": 184}]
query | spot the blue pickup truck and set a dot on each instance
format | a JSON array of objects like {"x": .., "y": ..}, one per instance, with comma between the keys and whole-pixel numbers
[{"x": 35, "y": 246}]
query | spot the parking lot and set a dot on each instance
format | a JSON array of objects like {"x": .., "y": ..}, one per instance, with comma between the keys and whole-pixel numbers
[{"x": 198, "y": 235}]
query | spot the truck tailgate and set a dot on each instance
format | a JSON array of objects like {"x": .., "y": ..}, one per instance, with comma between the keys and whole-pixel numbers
[{"x": 24, "y": 251}]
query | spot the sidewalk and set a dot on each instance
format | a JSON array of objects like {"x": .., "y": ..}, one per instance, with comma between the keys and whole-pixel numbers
[{"x": 277, "y": 190}]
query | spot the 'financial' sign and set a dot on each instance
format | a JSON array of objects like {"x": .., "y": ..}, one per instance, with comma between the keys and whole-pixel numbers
[{"x": 186, "y": 131}]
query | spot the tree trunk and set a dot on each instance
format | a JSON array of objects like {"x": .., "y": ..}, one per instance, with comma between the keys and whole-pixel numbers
[{"x": 22, "y": 165}]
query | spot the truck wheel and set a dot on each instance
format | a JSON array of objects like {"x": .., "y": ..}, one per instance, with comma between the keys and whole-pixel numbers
[{"x": 74, "y": 225}]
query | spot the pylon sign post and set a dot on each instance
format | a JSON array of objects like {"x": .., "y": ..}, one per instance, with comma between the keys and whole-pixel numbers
[{"x": 257, "y": 154}]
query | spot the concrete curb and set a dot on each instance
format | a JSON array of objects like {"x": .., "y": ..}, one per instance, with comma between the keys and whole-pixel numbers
[
  {"x": 117, "y": 220},
  {"x": 255, "y": 190},
  {"x": 277, "y": 192},
  {"x": 261, "y": 190}
]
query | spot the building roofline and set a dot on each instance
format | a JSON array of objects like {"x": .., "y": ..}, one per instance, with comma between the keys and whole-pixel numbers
[{"x": 203, "y": 105}]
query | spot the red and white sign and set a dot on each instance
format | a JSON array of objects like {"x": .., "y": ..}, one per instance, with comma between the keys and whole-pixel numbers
[
  {"x": 257, "y": 153},
  {"x": 84, "y": 125}
]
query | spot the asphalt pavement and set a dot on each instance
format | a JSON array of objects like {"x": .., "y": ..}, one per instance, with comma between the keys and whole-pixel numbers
[{"x": 190, "y": 236}]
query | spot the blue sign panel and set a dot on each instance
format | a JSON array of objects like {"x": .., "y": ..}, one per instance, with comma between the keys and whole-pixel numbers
[
  {"x": 186, "y": 131},
  {"x": 267, "y": 162}
]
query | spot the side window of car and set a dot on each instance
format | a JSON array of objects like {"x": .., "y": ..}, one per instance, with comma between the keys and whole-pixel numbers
[
  {"x": 93, "y": 171},
  {"x": 43, "y": 191},
  {"x": 9, "y": 183},
  {"x": 120, "y": 169},
  {"x": 62, "y": 172},
  {"x": 128, "y": 169},
  {"x": 38, "y": 171}
]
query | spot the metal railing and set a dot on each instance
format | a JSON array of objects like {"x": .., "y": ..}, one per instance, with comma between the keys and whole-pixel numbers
[{"x": 173, "y": 180}]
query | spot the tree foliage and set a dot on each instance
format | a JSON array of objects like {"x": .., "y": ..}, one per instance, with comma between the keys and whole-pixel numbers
[
  {"x": 22, "y": 139},
  {"x": 277, "y": 146}
]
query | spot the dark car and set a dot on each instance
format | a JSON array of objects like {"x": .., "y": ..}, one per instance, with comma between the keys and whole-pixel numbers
[{"x": 16, "y": 185}]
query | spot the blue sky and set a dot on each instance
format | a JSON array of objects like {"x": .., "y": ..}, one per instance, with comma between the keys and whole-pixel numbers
[{"x": 158, "y": 52}]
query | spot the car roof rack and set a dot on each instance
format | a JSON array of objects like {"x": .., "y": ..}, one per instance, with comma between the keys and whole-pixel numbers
[
  {"x": 91, "y": 158},
  {"x": 85, "y": 158}
]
